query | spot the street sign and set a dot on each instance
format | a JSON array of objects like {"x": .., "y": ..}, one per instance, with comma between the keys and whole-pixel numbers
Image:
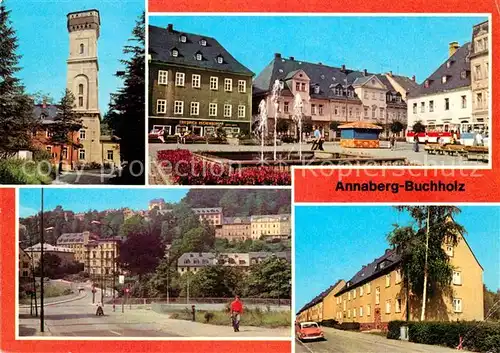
[{"x": 121, "y": 279}]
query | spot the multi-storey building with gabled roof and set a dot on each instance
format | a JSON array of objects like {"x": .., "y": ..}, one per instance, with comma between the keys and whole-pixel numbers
[
  {"x": 330, "y": 94},
  {"x": 196, "y": 85}
]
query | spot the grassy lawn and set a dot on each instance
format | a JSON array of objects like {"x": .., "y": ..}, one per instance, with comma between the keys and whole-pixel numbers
[
  {"x": 50, "y": 290},
  {"x": 251, "y": 317}
]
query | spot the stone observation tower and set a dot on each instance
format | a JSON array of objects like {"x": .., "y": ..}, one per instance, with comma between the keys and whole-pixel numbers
[{"x": 82, "y": 80}]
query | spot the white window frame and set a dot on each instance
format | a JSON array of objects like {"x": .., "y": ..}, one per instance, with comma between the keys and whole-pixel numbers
[
  {"x": 195, "y": 108},
  {"x": 196, "y": 78},
  {"x": 353, "y": 312},
  {"x": 361, "y": 311},
  {"x": 354, "y": 293},
  {"x": 178, "y": 107},
  {"x": 377, "y": 296},
  {"x": 387, "y": 280},
  {"x": 214, "y": 83},
  {"x": 398, "y": 276},
  {"x": 457, "y": 305},
  {"x": 161, "y": 103},
  {"x": 180, "y": 79},
  {"x": 397, "y": 305},
  {"x": 242, "y": 86},
  {"x": 228, "y": 84},
  {"x": 388, "y": 306},
  {"x": 168, "y": 128},
  {"x": 228, "y": 110},
  {"x": 175, "y": 53},
  {"x": 361, "y": 291},
  {"x": 449, "y": 250},
  {"x": 83, "y": 134},
  {"x": 457, "y": 280},
  {"x": 162, "y": 77},
  {"x": 368, "y": 309},
  {"x": 212, "y": 109},
  {"x": 220, "y": 60},
  {"x": 199, "y": 57},
  {"x": 241, "y": 111}
]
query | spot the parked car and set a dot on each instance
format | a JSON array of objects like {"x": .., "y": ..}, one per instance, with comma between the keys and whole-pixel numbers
[{"x": 308, "y": 330}]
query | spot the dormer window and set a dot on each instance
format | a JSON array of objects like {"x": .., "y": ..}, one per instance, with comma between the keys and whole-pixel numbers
[
  {"x": 316, "y": 89},
  {"x": 199, "y": 57},
  {"x": 448, "y": 64},
  {"x": 463, "y": 75},
  {"x": 203, "y": 43},
  {"x": 426, "y": 84},
  {"x": 183, "y": 38},
  {"x": 220, "y": 59},
  {"x": 444, "y": 79},
  {"x": 175, "y": 53}
]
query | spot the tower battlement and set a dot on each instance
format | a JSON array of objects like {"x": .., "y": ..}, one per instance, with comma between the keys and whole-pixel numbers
[{"x": 84, "y": 20}]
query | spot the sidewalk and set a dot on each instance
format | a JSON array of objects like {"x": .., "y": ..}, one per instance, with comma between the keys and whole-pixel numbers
[
  {"x": 194, "y": 329},
  {"x": 56, "y": 300}
]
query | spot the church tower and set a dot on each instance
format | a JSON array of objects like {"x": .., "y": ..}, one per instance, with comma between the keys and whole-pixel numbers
[{"x": 82, "y": 80}]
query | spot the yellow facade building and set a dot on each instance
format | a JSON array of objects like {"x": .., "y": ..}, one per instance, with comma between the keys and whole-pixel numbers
[
  {"x": 77, "y": 242},
  {"x": 101, "y": 256},
  {"x": 375, "y": 295},
  {"x": 270, "y": 226}
]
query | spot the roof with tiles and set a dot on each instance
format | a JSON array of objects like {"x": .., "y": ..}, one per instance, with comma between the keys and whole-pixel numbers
[
  {"x": 162, "y": 41},
  {"x": 373, "y": 270},
  {"x": 324, "y": 76},
  {"x": 456, "y": 69}
]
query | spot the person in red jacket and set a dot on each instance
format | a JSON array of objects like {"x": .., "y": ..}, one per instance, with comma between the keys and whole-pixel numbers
[{"x": 236, "y": 312}]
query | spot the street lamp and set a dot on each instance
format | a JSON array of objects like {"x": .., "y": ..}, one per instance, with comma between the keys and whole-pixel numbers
[{"x": 42, "y": 329}]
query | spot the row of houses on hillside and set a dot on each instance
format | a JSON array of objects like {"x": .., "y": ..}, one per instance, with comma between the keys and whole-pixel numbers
[
  {"x": 193, "y": 262},
  {"x": 196, "y": 85},
  {"x": 375, "y": 294}
]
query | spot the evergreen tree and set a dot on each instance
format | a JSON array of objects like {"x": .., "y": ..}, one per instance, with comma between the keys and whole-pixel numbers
[
  {"x": 66, "y": 123},
  {"x": 16, "y": 108},
  {"x": 127, "y": 107}
]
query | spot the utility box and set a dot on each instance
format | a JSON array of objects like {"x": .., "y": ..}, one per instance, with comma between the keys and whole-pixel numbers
[{"x": 403, "y": 335}]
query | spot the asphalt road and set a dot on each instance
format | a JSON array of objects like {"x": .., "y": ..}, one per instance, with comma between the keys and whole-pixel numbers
[
  {"x": 77, "y": 318},
  {"x": 355, "y": 342}
]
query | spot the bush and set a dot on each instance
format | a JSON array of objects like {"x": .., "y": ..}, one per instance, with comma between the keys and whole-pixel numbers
[
  {"x": 477, "y": 336},
  {"x": 208, "y": 316},
  {"x": 18, "y": 171},
  {"x": 41, "y": 155},
  {"x": 393, "y": 329}
]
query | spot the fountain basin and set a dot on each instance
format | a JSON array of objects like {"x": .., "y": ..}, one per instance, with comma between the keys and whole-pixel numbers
[{"x": 286, "y": 160}]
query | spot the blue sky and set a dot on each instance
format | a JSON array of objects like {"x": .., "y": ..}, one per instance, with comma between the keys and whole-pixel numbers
[
  {"x": 44, "y": 42},
  {"x": 81, "y": 200},
  {"x": 333, "y": 243},
  {"x": 406, "y": 45}
]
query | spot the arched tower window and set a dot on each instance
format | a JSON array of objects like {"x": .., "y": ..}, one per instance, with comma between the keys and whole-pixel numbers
[
  {"x": 82, "y": 47},
  {"x": 80, "y": 95}
]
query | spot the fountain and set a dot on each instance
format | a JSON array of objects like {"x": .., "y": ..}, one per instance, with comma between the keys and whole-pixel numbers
[
  {"x": 297, "y": 117},
  {"x": 275, "y": 96},
  {"x": 262, "y": 126}
]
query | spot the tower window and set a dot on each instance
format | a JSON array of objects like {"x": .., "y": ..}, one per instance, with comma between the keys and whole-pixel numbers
[
  {"x": 82, "y": 47},
  {"x": 80, "y": 95}
]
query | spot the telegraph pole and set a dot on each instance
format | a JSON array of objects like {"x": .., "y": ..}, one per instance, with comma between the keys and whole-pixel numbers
[{"x": 41, "y": 266}]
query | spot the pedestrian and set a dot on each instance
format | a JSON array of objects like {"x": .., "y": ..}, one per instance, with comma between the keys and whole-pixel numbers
[
  {"x": 318, "y": 140},
  {"x": 161, "y": 135},
  {"x": 415, "y": 143},
  {"x": 393, "y": 142},
  {"x": 479, "y": 139},
  {"x": 99, "y": 311},
  {"x": 236, "y": 312}
]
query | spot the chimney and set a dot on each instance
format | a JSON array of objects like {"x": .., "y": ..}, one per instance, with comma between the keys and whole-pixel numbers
[
  {"x": 343, "y": 67},
  {"x": 277, "y": 55},
  {"x": 292, "y": 58},
  {"x": 170, "y": 27},
  {"x": 453, "y": 47},
  {"x": 365, "y": 73},
  {"x": 413, "y": 78}
]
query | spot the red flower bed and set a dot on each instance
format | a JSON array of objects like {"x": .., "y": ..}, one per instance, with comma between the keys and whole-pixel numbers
[{"x": 187, "y": 169}]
